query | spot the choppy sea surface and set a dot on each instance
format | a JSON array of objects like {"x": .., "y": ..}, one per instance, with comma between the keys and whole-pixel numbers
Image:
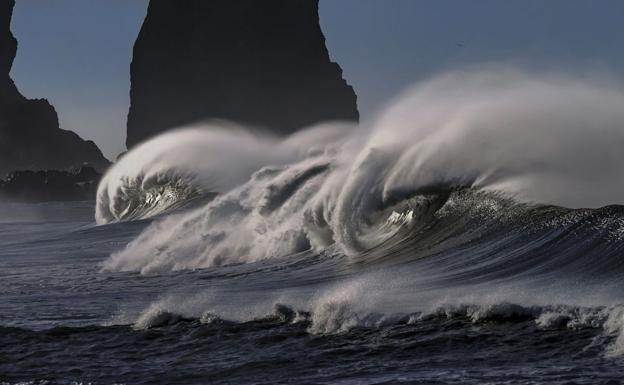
[{"x": 313, "y": 318}]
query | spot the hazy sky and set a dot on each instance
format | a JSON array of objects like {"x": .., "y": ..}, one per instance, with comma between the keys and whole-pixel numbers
[{"x": 77, "y": 53}]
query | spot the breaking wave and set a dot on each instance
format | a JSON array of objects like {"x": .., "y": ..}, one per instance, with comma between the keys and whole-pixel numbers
[
  {"x": 339, "y": 317},
  {"x": 491, "y": 196},
  {"x": 206, "y": 159},
  {"x": 503, "y": 140}
]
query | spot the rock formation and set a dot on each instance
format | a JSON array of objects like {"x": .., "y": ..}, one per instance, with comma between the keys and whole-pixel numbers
[
  {"x": 250, "y": 61},
  {"x": 30, "y": 137},
  {"x": 52, "y": 185}
]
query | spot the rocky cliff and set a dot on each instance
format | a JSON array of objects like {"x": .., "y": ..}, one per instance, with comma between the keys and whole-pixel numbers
[
  {"x": 30, "y": 137},
  {"x": 250, "y": 61}
]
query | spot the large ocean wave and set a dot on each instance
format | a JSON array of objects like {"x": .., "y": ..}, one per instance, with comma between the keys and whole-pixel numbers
[
  {"x": 483, "y": 194},
  {"x": 534, "y": 140}
]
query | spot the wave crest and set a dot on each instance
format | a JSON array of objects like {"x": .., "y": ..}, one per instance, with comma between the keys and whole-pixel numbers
[{"x": 512, "y": 135}]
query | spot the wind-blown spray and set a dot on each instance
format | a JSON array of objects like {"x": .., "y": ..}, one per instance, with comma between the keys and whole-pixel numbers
[{"x": 534, "y": 139}]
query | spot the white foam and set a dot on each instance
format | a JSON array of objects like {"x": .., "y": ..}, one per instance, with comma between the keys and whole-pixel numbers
[{"x": 536, "y": 138}]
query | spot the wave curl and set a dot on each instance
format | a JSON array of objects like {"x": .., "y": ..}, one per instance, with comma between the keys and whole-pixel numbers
[{"x": 503, "y": 140}]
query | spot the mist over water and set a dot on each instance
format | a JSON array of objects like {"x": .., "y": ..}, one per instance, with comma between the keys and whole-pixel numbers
[{"x": 548, "y": 139}]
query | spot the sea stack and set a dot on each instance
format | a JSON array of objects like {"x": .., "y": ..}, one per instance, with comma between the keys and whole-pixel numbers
[
  {"x": 30, "y": 137},
  {"x": 263, "y": 63}
]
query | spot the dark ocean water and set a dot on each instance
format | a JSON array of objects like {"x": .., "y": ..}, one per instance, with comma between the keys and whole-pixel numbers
[{"x": 529, "y": 297}]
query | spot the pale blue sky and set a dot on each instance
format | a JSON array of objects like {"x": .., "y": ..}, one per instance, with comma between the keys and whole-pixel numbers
[{"x": 77, "y": 53}]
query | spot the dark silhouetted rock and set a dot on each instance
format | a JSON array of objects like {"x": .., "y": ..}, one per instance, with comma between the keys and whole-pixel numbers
[
  {"x": 51, "y": 185},
  {"x": 30, "y": 137},
  {"x": 250, "y": 61}
]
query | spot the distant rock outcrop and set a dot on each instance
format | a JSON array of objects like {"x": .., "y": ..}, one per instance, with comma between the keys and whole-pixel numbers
[
  {"x": 30, "y": 137},
  {"x": 250, "y": 61},
  {"x": 52, "y": 185}
]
